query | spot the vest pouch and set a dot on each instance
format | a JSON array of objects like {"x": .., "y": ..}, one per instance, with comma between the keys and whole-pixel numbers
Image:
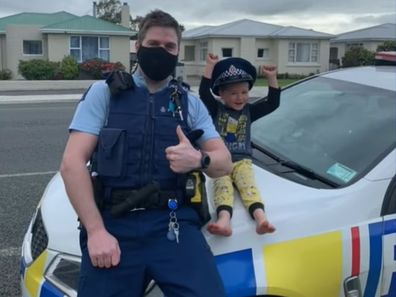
[{"x": 112, "y": 150}]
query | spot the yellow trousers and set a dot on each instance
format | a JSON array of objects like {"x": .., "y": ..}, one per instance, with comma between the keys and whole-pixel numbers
[{"x": 243, "y": 178}]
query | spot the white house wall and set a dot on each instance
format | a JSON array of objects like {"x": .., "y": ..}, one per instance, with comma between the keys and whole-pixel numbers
[
  {"x": 234, "y": 43},
  {"x": 193, "y": 70},
  {"x": 246, "y": 47},
  {"x": 58, "y": 46},
  {"x": 372, "y": 45},
  {"x": 2, "y": 52},
  {"x": 343, "y": 47},
  {"x": 271, "y": 45},
  {"x": 284, "y": 66},
  {"x": 15, "y": 34},
  {"x": 119, "y": 50},
  {"x": 324, "y": 46}
]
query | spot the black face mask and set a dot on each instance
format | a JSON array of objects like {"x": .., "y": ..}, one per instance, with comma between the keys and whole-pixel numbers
[{"x": 156, "y": 62}]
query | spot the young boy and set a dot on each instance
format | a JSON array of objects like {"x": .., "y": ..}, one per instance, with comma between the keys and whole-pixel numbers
[{"x": 231, "y": 79}]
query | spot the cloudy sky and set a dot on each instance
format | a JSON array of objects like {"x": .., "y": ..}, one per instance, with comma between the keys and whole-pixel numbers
[{"x": 329, "y": 16}]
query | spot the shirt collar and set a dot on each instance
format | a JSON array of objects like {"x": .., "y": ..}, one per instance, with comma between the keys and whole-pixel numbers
[{"x": 140, "y": 81}]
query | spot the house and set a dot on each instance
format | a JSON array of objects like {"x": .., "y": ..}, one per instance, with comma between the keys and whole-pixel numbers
[
  {"x": 51, "y": 36},
  {"x": 369, "y": 38},
  {"x": 293, "y": 50}
]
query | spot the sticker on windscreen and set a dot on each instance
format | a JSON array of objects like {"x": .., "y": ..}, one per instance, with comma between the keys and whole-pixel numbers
[{"x": 341, "y": 172}]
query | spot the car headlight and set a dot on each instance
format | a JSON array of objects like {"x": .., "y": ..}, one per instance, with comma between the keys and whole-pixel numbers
[
  {"x": 39, "y": 236},
  {"x": 64, "y": 273}
]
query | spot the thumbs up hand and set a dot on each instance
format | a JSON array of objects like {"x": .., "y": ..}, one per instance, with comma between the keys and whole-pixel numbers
[{"x": 183, "y": 157}]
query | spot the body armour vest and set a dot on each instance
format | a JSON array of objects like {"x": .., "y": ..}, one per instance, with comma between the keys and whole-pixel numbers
[
  {"x": 140, "y": 126},
  {"x": 234, "y": 128}
]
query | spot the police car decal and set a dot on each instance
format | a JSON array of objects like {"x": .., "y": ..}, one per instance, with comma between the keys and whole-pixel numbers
[
  {"x": 369, "y": 252},
  {"x": 389, "y": 259}
]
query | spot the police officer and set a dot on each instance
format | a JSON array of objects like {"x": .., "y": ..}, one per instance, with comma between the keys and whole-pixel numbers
[{"x": 138, "y": 136}]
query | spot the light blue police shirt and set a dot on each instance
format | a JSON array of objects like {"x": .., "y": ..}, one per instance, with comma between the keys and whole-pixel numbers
[{"x": 91, "y": 113}]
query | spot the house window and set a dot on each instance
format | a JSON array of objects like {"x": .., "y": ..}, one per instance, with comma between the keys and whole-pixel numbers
[
  {"x": 303, "y": 52},
  {"x": 314, "y": 52},
  {"x": 84, "y": 48},
  {"x": 203, "y": 50},
  {"x": 189, "y": 53},
  {"x": 262, "y": 53},
  {"x": 32, "y": 47},
  {"x": 104, "y": 48},
  {"x": 226, "y": 52}
]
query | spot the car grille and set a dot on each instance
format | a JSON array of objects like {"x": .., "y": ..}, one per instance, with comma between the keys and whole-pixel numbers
[{"x": 39, "y": 236}]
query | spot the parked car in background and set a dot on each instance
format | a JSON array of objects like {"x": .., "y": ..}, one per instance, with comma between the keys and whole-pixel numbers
[{"x": 325, "y": 164}]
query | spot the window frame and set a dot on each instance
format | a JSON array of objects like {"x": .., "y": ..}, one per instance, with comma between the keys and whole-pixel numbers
[
  {"x": 314, "y": 52},
  {"x": 203, "y": 50},
  {"x": 190, "y": 47},
  {"x": 80, "y": 47},
  {"x": 32, "y": 40},
  {"x": 265, "y": 54},
  {"x": 227, "y": 49}
]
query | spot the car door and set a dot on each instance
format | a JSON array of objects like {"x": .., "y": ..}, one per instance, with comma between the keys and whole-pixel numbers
[
  {"x": 367, "y": 265},
  {"x": 388, "y": 282}
]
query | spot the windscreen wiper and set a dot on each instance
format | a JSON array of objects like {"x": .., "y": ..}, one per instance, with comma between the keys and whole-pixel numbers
[{"x": 307, "y": 172}]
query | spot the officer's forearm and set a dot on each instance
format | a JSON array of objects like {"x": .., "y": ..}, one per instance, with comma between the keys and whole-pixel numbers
[
  {"x": 220, "y": 163},
  {"x": 79, "y": 189}
]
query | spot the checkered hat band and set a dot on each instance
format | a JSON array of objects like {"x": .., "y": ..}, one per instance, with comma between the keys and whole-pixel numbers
[{"x": 233, "y": 73}]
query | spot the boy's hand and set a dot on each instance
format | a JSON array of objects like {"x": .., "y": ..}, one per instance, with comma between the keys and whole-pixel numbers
[
  {"x": 212, "y": 59},
  {"x": 269, "y": 71}
]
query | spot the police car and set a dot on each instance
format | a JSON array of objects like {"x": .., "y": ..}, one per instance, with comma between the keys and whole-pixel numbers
[{"x": 325, "y": 164}]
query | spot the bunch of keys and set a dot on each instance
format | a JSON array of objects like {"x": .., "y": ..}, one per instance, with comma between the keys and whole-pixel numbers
[
  {"x": 173, "y": 227},
  {"x": 174, "y": 104}
]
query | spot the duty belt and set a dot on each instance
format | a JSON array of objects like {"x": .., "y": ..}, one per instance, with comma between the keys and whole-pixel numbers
[{"x": 148, "y": 197}]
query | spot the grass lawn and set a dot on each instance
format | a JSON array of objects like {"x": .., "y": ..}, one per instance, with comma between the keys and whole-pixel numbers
[{"x": 262, "y": 82}]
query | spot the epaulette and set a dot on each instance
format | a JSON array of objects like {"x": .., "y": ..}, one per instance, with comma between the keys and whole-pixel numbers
[
  {"x": 181, "y": 84},
  {"x": 119, "y": 81},
  {"x": 185, "y": 85}
]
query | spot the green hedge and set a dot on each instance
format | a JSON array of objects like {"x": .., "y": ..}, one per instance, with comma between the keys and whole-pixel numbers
[
  {"x": 38, "y": 69},
  {"x": 5, "y": 74},
  {"x": 68, "y": 68}
]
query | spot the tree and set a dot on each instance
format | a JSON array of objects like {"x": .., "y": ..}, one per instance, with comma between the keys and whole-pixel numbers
[
  {"x": 358, "y": 56},
  {"x": 109, "y": 10},
  {"x": 389, "y": 45}
]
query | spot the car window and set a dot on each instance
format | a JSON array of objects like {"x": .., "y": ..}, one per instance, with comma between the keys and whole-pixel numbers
[{"x": 337, "y": 129}]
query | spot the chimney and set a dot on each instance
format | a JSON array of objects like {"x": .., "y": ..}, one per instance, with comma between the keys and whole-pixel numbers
[
  {"x": 125, "y": 15},
  {"x": 94, "y": 9}
]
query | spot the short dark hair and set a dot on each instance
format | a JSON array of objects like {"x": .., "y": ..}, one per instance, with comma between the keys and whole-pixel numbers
[{"x": 158, "y": 18}]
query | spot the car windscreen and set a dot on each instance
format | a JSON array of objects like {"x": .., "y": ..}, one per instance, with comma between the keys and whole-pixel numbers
[{"x": 335, "y": 129}]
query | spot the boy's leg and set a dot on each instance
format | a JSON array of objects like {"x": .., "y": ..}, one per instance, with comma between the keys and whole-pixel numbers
[
  {"x": 262, "y": 223},
  {"x": 223, "y": 200},
  {"x": 244, "y": 180}
]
